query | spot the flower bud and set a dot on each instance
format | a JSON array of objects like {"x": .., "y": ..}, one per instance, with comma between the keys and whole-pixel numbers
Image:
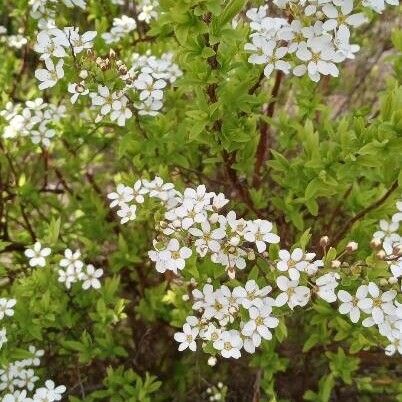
[
  {"x": 251, "y": 255},
  {"x": 352, "y": 246},
  {"x": 211, "y": 362},
  {"x": 383, "y": 282},
  {"x": 83, "y": 74},
  {"x": 335, "y": 264},
  {"x": 381, "y": 255},
  {"x": 392, "y": 281},
  {"x": 112, "y": 54},
  {"x": 324, "y": 241},
  {"x": 185, "y": 298},
  {"x": 375, "y": 244}
]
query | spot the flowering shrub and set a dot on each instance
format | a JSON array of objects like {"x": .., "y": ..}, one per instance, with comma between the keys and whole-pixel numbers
[{"x": 200, "y": 200}]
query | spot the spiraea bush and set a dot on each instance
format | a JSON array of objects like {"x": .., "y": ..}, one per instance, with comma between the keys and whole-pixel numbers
[{"x": 200, "y": 200}]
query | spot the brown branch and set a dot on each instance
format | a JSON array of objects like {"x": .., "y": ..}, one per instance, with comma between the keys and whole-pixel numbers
[
  {"x": 263, "y": 144},
  {"x": 365, "y": 211}
]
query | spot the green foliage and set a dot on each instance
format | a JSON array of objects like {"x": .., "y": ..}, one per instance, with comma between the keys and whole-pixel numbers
[{"x": 327, "y": 171}]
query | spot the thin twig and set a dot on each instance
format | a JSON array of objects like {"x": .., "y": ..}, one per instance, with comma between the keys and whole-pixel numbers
[
  {"x": 364, "y": 212},
  {"x": 263, "y": 144}
]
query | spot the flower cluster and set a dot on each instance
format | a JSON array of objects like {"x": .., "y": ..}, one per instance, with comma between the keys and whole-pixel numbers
[
  {"x": 6, "y": 310},
  {"x": 18, "y": 380},
  {"x": 192, "y": 217},
  {"x": 381, "y": 309},
  {"x": 121, "y": 27},
  {"x": 312, "y": 40},
  {"x": 145, "y": 80},
  {"x": 220, "y": 322},
  {"x": 14, "y": 41},
  {"x": 71, "y": 268},
  {"x": 230, "y": 320},
  {"x": 59, "y": 43},
  {"x": 44, "y": 10},
  {"x": 36, "y": 120},
  {"x": 388, "y": 242}
]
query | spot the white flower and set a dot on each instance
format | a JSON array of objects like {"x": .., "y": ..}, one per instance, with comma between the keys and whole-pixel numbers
[
  {"x": 150, "y": 107},
  {"x": 259, "y": 232},
  {"x": 320, "y": 56},
  {"x": 47, "y": 47},
  {"x": 50, "y": 391},
  {"x": 71, "y": 259},
  {"x": 208, "y": 239},
  {"x": 292, "y": 294},
  {"x": 17, "y": 396},
  {"x": 102, "y": 98},
  {"x": 148, "y": 87},
  {"x": 51, "y": 74},
  {"x": 127, "y": 213},
  {"x": 37, "y": 255},
  {"x": 388, "y": 232},
  {"x": 77, "y": 90},
  {"x": 122, "y": 196},
  {"x": 397, "y": 217},
  {"x": 27, "y": 379},
  {"x": 250, "y": 295},
  {"x": 42, "y": 136},
  {"x": 260, "y": 321},
  {"x": 3, "y": 337},
  {"x": 353, "y": 304},
  {"x": 326, "y": 286},
  {"x": 91, "y": 277},
  {"x": 187, "y": 338},
  {"x": 36, "y": 355},
  {"x": 229, "y": 344},
  {"x": 339, "y": 18},
  {"x": 120, "y": 111},
  {"x": 382, "y": 304},
  {"x": 175, "y": 256},
  {"x": 292, "y": 262}
]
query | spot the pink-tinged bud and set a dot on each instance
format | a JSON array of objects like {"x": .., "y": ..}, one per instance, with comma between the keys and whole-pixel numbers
[
  {"x": 352, "y": 246},
  {"x": 375, "y": 244},
  {"x": 324, "y": 241},
  {"x": 83, "y": 74},
  {"x": 381, "y": 255},
  {"x": 392, "y": 281}
]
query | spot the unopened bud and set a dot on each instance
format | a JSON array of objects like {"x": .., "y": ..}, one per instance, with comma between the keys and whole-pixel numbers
[
  {"x": 251, "y": 255},
  {"x": 99, "y": 60},
  {"x": 383, "y": 282},
  {"x": 163, "y": 224},
  {"x": 112, "y": 54},
  {"x": 185, "y": 298},
  {"x": 324, "y": 241},
  {"x": 352, "y": 246},
  {"x": 392, "y": 281},
  {"x": 90, "y": 53},
  {"x": 335, "y": 264},
  {"x": 381, "y": 255},
  {"x": 83, "y": 74},
  {"x": 375, "y": 244}
]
